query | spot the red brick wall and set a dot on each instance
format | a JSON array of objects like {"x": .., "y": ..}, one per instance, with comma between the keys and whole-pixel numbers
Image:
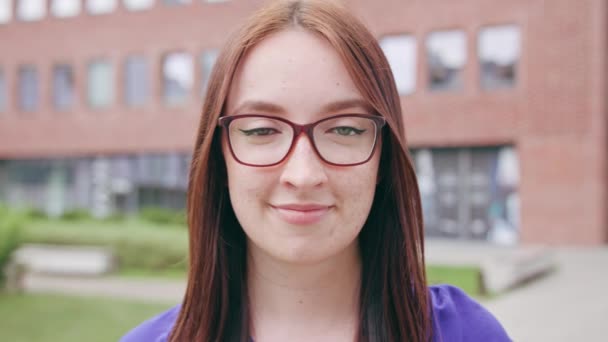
[
  {"x": 76, "y": 41},
  {"x": 555, "y": 116}
]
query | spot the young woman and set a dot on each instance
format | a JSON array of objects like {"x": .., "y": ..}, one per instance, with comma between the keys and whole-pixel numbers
[{"x": 303, "y": 208}]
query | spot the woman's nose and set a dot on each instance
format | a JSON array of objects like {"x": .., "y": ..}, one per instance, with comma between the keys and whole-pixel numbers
[{"x": 303, "y": 168}]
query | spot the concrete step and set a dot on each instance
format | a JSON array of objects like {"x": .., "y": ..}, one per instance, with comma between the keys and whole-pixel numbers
[
  {"x": 64, "y": 260},
  {"x": 501, "y": 267}
]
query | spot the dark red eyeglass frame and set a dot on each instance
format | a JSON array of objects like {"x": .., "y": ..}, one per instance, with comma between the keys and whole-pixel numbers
[{"x": 225, "y": 121}]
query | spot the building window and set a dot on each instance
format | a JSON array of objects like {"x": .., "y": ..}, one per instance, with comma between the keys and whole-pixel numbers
[
  {"x": 31, "y": 10},
  {"x": 6, "y": 11},
  {"x": 499, "y": 50},
  {"x": 176, "y": 2},
  {"x": 138, "y": 5},
  {"x": 2, "y": 92},
  {"x": 65, "y": 8},
  {"x": 28, "y": 88},
  {"x": 208, "y": 59},
  {"x": 446, "y": 57},
  {"x": 136, "y": 85},
  {"x": 63, "y": 86},
  {"x": 401, "y": 54},
  {"x": 177, "y": 76},
  {"x": 29, "y": 172},
  {"x": 100, "y": 87},
  {"x": 96, "y": 7},
  {"x": 470, "y": 193}
]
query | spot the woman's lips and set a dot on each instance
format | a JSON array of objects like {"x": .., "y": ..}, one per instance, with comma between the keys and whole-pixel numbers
[{"x": 301, "y": 214}]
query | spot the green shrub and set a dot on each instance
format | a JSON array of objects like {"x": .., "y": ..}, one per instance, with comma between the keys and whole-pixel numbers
[
  {"x": 34, "y": 213},
  {"x": 115, "y": 218},
  {"x": 76, "y": 215},
  {"x": 163, "y": 216},
  {"x": 136, "y": 243},
  {"x": 150, "y": 255},
  {"x": 10, "y": 225}
]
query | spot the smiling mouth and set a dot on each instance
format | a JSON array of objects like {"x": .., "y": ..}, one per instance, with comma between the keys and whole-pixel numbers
[{"x": 301, "y": 214}]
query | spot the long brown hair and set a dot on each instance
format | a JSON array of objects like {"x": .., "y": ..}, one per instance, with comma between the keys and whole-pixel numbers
[{"x": 394, "y": 300}]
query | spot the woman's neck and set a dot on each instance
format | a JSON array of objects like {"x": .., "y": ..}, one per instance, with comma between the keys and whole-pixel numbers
[{"x": 308, "y": 302}]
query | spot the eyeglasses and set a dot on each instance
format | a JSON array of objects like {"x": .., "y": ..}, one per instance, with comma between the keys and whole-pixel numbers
[{"x": 341, "y": 140}]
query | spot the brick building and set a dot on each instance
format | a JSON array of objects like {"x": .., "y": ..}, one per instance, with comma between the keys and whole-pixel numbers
[{"x": 504, "y": 105}]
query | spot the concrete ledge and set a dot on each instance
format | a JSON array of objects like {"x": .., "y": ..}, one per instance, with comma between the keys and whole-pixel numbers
[
  {"x": 502, "y": 273},
  {"x": 82, "y": 271},
  {"x": 64, "y": 260},
  {"x": 501, "y": 268}
]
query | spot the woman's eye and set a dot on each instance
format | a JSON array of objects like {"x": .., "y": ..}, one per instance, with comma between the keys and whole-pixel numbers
[
  {"x": 262, "y": 131},
  {"x": 345, "y": 130}
]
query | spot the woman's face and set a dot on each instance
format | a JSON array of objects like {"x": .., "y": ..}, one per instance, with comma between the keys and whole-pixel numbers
[{"x": 301, "y": 210}]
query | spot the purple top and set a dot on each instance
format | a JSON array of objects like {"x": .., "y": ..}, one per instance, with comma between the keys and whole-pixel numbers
[{"x": 456, "y": 317}]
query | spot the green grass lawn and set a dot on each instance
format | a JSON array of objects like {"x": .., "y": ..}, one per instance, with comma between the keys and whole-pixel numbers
[
  {"x": 144, "y": 249},
  {"x": 466, "y": 278},
  {"x": 38, "y": 318}
]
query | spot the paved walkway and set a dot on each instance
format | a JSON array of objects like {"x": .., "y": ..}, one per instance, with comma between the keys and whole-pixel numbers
[
  {"x": 157, "y": 290},
  {"x": 570, "y": 304}
]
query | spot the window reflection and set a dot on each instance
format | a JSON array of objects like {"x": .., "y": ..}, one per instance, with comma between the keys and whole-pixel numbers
[
  {"x": 100, "y": 84},
  {"x": 208, "y": 59},
  {"x": 446, "y": 57},
  {"x": 6, "y": 11},
  {"x": 499, "y": 52},
  {"x": 176, "y": 2},
  {"x": 63, "y": 86},
  {"x": 65, "y": 8},
  {"x": 2, "y": 92},
  {"x": 136, "y": 85},
  {"x": 28, "y": 88},
  {"x": 177, "y": 77},
  {"x": 30, "y": 10},
  {"x": 138, "y": 5},
  {"x": 101, "y": 6},
  {"x": 400, "y": 51}
]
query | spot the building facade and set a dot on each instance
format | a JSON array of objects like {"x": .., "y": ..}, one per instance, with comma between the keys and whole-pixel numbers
[{"x": 504, "y": 105}]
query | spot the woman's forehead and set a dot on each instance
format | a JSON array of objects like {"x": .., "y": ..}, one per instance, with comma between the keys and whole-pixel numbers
[{"x": 295, "y": 70}]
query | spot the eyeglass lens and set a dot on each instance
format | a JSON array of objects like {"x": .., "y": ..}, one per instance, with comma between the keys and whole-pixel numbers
[{"x": 265, "y": 141}]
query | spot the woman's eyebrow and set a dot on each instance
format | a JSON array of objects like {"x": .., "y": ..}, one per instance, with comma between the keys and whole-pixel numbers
[
  {"x": 347, "y": 104},
  {"x": 272, "y": 108},
  {"x": 259, "y": 106}
]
